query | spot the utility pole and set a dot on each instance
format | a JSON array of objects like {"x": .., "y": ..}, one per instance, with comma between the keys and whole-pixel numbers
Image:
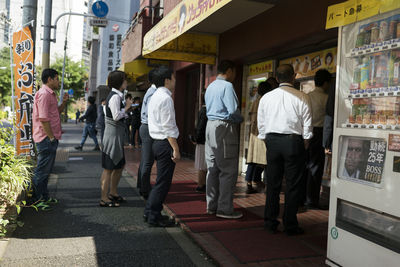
[
  {"x": 48, "y": 6},
  {"x": 29, "y": 13}
]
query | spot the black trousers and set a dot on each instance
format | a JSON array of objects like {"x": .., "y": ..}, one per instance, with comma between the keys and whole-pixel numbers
[
  {"x": 146, "y": 160},
  {"x": 286, "y": 157},
  {"x": 165, "y": 169},
  {"x": 314, "y": 167}
]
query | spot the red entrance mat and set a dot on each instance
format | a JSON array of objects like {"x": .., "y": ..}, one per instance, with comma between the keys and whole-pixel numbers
[
  {"x": 190, "y": 208},
  {"x": 254, "y": 245}
]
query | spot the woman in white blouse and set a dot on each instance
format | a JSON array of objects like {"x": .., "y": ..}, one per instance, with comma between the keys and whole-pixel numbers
[{"x": 113, "y": 157}]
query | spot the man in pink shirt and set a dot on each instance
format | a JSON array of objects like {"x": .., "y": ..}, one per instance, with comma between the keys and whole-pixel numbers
[{"x": 46, "y": 133}]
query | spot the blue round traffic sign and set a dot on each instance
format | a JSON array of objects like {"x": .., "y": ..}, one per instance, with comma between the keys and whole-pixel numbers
[
  {"x": 71, "y": 92},
  {"x": 100, "y": 9}
]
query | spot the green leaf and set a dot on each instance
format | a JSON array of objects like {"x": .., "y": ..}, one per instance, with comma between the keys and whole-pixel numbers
[
  {"x": 18, "y": 209},
  {"x": 20, "y": 223}
]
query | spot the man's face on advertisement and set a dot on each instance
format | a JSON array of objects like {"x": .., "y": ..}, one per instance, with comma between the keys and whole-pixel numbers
[{"x": 353, "y": 155}]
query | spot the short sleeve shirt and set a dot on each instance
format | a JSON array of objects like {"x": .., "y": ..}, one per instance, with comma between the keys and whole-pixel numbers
[{"x": 45, "y": 108}]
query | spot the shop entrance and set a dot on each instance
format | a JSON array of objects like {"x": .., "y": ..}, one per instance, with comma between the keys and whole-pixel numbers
[
  {"x": 186, "y": 107},
  {"x": 249, "y": 96}
]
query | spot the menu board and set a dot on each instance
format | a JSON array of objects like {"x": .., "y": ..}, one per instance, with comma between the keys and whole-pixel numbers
[{"x": 362, "y": 159}]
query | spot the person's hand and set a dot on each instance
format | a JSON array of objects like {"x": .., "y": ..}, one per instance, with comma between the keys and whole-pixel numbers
[
  {"x": 128, "y": 104},
  {"x": 176, "y": 156},
  {"x": 65, "y": 97},
  {"x": 306, "y": 143},
  {"x": 194, "y": 143},
  {"x": 328, "y": 151}
]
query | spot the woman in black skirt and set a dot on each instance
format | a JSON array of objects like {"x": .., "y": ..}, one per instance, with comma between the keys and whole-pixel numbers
[{"x": 113, "y": 158}]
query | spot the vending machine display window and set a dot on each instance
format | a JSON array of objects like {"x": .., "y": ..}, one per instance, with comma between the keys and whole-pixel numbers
[
  {"x": 373, "y": 225},
  {"x": 362, "y": 159},
  {"x": 370, "y": 69}
]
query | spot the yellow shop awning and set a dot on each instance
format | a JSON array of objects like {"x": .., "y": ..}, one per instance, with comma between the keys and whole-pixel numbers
[
  {"x": 140, "y": 67},
  {"x": 190, "y": 31}
]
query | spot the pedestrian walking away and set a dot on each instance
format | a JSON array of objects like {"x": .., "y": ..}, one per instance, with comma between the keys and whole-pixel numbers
[
  {"x": 147, "y": 156},
  {"x": 256, "y": 154},
  {"x": 90, "y": 125},
  {"x": 163, "y": 129},
  {"x": 77, "y": 114},
  {"x": 46, "y": 133},
  {"x": 316, "y": 152},
  {"x": 284, "y": 122},
  {"x": 222, "y": 142},
  {"x": 113, "y": 157}
]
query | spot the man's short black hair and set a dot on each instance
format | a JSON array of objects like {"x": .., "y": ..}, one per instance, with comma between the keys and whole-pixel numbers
[
  {"x": 115, "y": 79},
  {"x": 225, "y": 65},
  {"x": 263, "y": 88},
  {"x": 128, "y": 95},
  {"x": 102, "y": 100},
  {"x": 48, "y": 73},
  {"x": 161, "y": 74},
  {"x": 151, "y": 76},
  {"x": 285, "y": 73},
  {"x": 136, "y": 98},
  {"x": 91, "y": 100},
  {"x": 322, "y": 76}
]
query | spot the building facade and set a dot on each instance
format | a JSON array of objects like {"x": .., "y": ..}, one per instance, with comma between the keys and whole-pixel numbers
[
  {"x": 251, "y": 33},
  {"x": 110, "y": 37}
]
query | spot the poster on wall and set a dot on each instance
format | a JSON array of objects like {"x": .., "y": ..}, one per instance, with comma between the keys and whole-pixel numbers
[
  {"x": 362, "y": 159},
  {"x": 307, "y": 65},
  {"x": 24, "y": 84}
]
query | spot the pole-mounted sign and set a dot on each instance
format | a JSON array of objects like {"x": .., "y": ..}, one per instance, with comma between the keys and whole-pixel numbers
[{"x": 100, "y": 9}]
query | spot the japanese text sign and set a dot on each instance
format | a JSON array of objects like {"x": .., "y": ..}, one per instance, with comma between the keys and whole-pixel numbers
[
  {"x": 262, "y": 67},
  {"x": 24, "y": 84},
  {"x": 184, "y": 16},
  {"x": 357, "y": 10}
]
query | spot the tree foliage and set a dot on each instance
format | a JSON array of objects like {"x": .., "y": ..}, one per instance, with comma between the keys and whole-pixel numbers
[
  {"x": 75, "y": 75},
  {"x": 5, "y": 77}
]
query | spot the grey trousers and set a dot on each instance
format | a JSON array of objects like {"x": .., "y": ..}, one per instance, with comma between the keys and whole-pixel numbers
[{"x": 222, "y": 157}]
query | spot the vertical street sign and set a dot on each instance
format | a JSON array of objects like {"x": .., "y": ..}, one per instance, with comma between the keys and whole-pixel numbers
[{"x": 23, "y": 54}]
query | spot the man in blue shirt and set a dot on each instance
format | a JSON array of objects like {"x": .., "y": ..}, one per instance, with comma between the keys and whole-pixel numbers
[
  {"x": 147, "y": 157},
  {"x": 222, "y": 142}
]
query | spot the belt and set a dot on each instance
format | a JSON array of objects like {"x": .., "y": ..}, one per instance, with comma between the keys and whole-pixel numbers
[{"x": 283, "y": 135}]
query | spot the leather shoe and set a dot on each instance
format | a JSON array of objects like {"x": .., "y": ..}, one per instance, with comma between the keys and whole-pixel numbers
[
  {"x": 162, "y": 223},
  {"x": 294, "y": 231}
]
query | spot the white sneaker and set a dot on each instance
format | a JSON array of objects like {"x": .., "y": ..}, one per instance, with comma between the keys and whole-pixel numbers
[{"x": 233, "y": 215}]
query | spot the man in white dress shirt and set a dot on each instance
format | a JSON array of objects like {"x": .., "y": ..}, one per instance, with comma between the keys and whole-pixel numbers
[
  {"x": 163, "y": 130},
  {"x": 285, "y": 123}
]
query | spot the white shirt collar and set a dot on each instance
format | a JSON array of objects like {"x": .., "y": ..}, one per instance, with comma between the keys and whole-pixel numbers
[
  {"x": 286, "y": 84},
  {"x": 118, "y": 92},
  {"x": 164, "y": 89}
]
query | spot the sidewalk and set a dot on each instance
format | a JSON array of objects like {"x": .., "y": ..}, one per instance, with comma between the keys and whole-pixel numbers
[
  {"x": 78, "y": 232},
  {"x": 241, "y": 242}
]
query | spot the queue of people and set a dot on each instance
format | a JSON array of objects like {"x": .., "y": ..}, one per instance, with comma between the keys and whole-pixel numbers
[{"x": 290, "y": 132}]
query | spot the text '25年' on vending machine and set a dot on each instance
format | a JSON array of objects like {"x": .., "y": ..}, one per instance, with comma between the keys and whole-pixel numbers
[{"x": 364, "y": 216}]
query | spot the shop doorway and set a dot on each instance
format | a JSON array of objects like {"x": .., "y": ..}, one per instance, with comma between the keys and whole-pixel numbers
[
  {"x": 186, "y": 107},
  {"x": 249, "y": 96}
]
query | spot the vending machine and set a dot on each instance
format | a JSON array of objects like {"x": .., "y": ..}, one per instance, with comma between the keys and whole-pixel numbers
[{"x": 364, "y": 216}]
